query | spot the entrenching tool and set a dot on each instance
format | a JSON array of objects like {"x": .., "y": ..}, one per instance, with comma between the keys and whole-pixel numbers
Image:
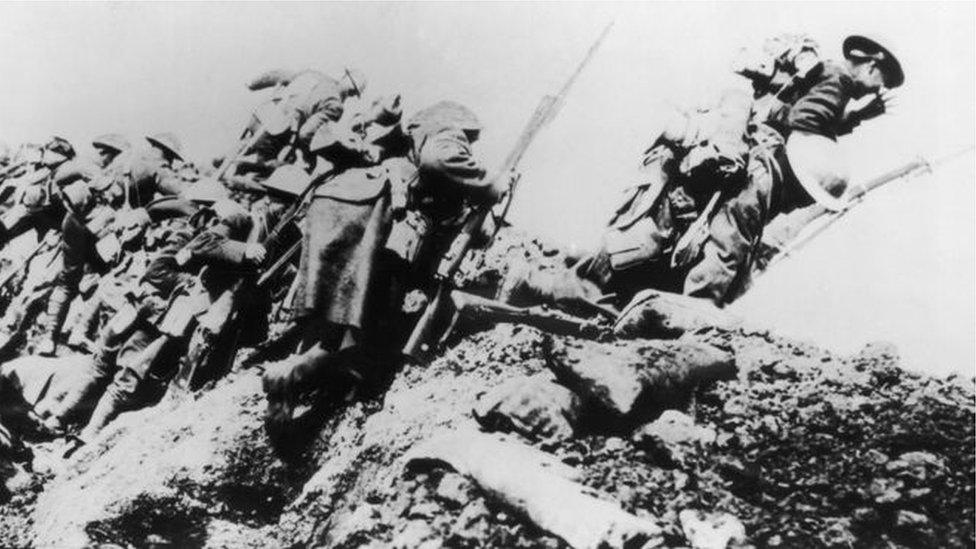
[{"x": 424, "y": 331}]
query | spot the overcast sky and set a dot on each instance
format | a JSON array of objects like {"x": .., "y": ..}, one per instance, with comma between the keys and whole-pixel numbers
[{"x": 900, "y": 268}]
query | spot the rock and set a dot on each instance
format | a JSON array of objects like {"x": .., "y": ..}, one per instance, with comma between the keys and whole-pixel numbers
[
  {"x": 743, "y": 476},
  {"x": 533, "y": 406},
  {"x": 423, "y": 510},
  {"x": 453, "y": 489},
  {"x": 412, "y": 535},
  {"x": 614, "y": 444},
  {"x": 838, "y": 534},
  {"x": 865, "y": 515},
  {"x": 916, "y": 467},
  {"x": 522, "y": 479},
  {"x": 885, "y": 490},
  {"x": 909, "y": 519},
  {"x": 876, "y": 457},
  {"x": 674, "y": 437},
  {"x": 472, "y": 523},
  {"x": 711, "y": 530},
  {"x": 630, "y": 380}
]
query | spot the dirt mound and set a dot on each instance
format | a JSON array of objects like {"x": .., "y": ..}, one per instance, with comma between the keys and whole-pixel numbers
[
  {"x": 803, "y": 448},
  {"x": 163, "y": 475}
]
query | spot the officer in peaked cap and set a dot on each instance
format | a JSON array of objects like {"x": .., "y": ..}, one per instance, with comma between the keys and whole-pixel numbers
[
  {"x": 857, "y": 48},
  {"x": 795, "y": 162}
]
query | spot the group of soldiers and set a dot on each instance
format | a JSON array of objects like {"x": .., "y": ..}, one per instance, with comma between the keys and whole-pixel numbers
[{"x": 330, "y": 208}]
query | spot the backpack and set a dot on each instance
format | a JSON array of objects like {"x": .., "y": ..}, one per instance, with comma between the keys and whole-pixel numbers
[
  {"x": 781, "y": 60},
  {"x": 703, "y": 148}
]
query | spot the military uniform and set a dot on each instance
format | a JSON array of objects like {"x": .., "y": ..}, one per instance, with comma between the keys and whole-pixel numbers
[
  {"x": 36, "y": 205},
  {"x": 308, "y": 101},
  {"x": 136, "y": 359},
  {"x": 368, "y": 232},
  {"x": 735, "y": 232}
]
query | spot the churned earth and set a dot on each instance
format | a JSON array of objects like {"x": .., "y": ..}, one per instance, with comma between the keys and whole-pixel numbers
[{"x": 802, "y": 448}]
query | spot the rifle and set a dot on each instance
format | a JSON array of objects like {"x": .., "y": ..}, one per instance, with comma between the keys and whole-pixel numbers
[
  {"x": 466, "y": 307},
  {"x": 548, "y": 106},
  {"x": 856, "y": 196}
]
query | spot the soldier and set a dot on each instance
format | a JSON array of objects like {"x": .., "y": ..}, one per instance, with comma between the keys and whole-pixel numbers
[
  {"x": 87, "y": 219},
  {"x": 303, "y": 103},
  {"x": 697, "y": 160},
  {"x": 138, "y": 176},
  {"x": 368, "y": 230},
  {"x": 795, "y": 162},
  {"x": 35, "y": 206},
  {"x": 109, "y": 147},
  {"x": 141, "y": 346}
]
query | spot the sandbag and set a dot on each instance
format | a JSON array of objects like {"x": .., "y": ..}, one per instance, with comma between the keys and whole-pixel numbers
[
  {"x": 631, "y": 381},
  {"x": 538, "y": 487},
  {"x": 656, "y": 314},
  {"x": 535, "y": 407}
]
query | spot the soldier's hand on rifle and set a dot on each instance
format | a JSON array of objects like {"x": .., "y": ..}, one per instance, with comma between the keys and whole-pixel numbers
[
  {"x": 501, "y": 185},
  {"x": 255, "y": 253},
  {"x": 869, "y": 106}
]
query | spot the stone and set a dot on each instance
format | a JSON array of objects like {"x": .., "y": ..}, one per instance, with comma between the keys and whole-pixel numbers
[
  {"x": 527, "y": 481},
  {"x": 674, "y": 438},
  {"x": 711, "y": 530},
  {"x": 910, "y": 519},
  {"x": 412, "y": 535},
  {"x": 885, "y": 490},
  {"x": 472, "y": 523},
  {"x": 916, "y": 467},
  {"x": 630, "y": 380},
  {"x": 535, "y": 407},
  {"x": 424, "y": 509},
  {"x": 453, "y": 489}
]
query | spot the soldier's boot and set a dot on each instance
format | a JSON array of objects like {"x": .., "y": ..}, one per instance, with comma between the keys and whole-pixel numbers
[
  {"x": 114, "y": 401},
  {"x": 79, "y": 337},
  {"x": 51, "y": 319},
  {"x": 314, "y": 378},
  {"x": 83, "y": 397}
]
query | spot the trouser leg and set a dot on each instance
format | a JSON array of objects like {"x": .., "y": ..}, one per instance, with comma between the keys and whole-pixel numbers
[
  {"x": 133, "y": 384},
  {"x": 49, "y": 322},
  {"x": 723, "y": 272},
  {"x": 83, "y": 396}
]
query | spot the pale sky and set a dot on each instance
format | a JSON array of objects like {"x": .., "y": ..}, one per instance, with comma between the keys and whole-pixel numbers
[{"x": 900, "y": 268}]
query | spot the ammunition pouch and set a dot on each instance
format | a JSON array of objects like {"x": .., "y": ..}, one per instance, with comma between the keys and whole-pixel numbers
[
  {"x": 641, "y": 243},
  {"x": 408, "y": 235},
  {"x": 186, "y": 305},
  {"x": 108, "y": 248}
]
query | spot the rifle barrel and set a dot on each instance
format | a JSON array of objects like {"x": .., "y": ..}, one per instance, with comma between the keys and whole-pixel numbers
[{"x": 856, "y": 197}]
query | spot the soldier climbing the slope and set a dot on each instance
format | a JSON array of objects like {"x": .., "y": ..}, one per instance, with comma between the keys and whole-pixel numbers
[{"x": 795, "y": 161}]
